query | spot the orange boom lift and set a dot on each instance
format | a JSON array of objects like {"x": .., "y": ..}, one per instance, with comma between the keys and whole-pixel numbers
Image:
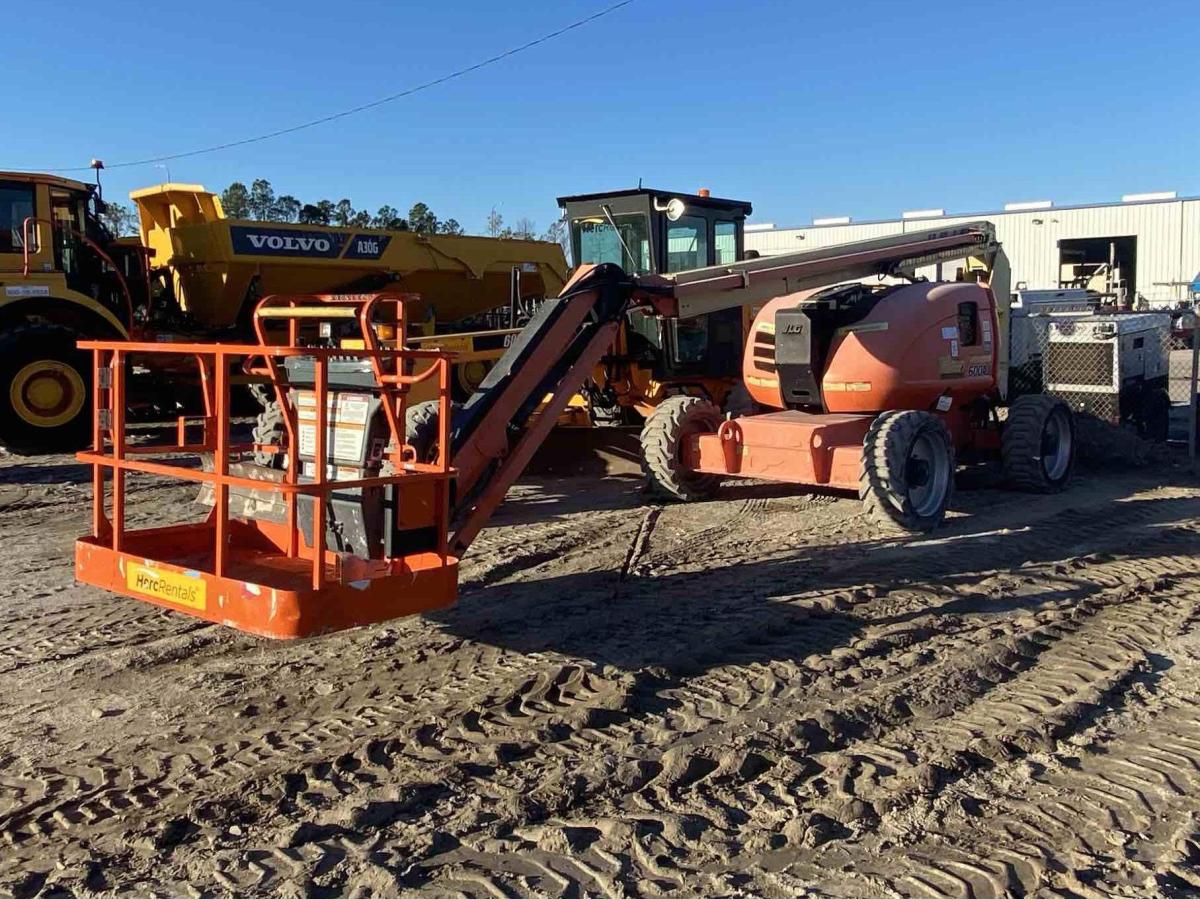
[{"x": 359, "y": 519}]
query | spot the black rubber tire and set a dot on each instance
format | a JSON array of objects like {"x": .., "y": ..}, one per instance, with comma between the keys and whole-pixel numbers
[
  {"x": 662, "y": 440},
  {"x": 738, "y": 401},
  {"x": 269, "y": 428},
  {"x": 1154, "y": 418},
  {"x": 421, "y": 429},
  {"x": 887, "y": 478},
  {"x": 263, "y": 394},
  {"x": 28, "y": 344},
  {"x": 1023, "y": 445}
]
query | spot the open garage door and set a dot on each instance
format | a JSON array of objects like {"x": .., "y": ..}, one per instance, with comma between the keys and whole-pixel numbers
[{"x": 1106, "y": 265}]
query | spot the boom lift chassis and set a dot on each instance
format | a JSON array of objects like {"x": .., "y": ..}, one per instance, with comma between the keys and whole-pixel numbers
[{"x": 283, "y": 579}]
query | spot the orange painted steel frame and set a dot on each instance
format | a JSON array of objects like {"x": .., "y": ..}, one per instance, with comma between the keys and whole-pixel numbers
[
  {"x": 259, "y": 576},
  {"x": 789, "y": 446},
  {"x": 488, "y": 445}
]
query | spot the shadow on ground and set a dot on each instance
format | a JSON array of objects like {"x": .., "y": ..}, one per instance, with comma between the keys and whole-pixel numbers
[{"x": 687, "y": 622}]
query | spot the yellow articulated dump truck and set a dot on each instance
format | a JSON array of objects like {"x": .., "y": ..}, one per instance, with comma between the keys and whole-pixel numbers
[{"x": 192, "y": 274}]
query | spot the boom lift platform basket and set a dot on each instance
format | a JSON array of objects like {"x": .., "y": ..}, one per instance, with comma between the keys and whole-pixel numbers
[{"x": 289, "y": 576}]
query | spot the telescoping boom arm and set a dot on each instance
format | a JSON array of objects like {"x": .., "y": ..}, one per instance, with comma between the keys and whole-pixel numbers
[
  {"x": 497, "y": 431},
  {"x": 700, "y": 291}
]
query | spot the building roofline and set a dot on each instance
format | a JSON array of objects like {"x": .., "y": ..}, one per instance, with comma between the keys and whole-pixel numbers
[{"x": 984, "y": 215}]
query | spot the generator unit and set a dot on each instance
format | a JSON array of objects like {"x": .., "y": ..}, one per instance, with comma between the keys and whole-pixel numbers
[
  {"x": 1030, "y": 315},
  {"x": 1113, "y": 367}
]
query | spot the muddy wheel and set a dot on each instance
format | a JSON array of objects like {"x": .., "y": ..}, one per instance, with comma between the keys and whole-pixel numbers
[
  {"x": 1037, "y": 449},
  {"x": 907, "y": 472},
  {"x": 269, "y": 428},
  {"x": 421, "y": 428},
  {"x": 663, "y": 438},
  {"x": 45, "y": 390},
  {"x": 263, "y": 394}
]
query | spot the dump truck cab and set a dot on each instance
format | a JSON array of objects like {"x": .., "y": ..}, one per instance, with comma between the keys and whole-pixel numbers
[
  {"x": 63, "y": 276},
  {"x": 652, "y": 232}
]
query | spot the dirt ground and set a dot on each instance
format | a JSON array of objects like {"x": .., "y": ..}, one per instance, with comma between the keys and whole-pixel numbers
[{"x": 752, "y": 696}]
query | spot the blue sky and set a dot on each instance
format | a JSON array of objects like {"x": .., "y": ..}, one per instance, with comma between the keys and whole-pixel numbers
[{"x": 806, "y": 109}]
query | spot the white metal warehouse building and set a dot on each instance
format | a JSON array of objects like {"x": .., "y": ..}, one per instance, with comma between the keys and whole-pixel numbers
[{"x": 1144, "y": 249}]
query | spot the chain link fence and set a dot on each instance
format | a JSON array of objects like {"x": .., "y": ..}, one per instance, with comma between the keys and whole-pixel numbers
[{"x": 1130, "y": 377}]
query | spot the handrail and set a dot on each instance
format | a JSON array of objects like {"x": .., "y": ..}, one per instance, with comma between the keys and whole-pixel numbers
[
  {"x": 110, "y": 451},
  {"x": 95, "y": 248},
  {"x": 339, "y": 306}
]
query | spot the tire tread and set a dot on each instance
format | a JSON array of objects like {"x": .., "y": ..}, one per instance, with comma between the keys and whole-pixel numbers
[
  {"x": 881, "y": 486},
  {"x": 663, "y": 469},
  {"x": 1021, "y": 444},
  {"x": 23, "y": 439}
]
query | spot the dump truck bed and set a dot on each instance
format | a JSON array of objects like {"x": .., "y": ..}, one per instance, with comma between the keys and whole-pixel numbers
[{"x": 215, "y": 262}]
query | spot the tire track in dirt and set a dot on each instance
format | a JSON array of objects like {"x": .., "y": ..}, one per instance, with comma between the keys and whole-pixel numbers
[
  {"x": 1110, "y": 812},
  {"x": 78, "y": 634},
  {"x": 682, "y": 784},
  {"x": 678, "y": 542},
  {"x": 534, "y": 544},
  {"x": 679, "y": 808},
  {"x": 94, "y": 806},
  {"x": 673, "y": 738}
]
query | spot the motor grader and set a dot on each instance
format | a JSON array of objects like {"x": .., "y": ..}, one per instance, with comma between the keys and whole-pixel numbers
[
  {"x": 647, "y": 231},
  {"x": 365, "y": 519},
  {"x": 193, "y": 275}
]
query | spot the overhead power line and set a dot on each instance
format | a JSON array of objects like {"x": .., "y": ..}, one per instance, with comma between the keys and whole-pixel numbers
[{"x": 332, "y": 117}]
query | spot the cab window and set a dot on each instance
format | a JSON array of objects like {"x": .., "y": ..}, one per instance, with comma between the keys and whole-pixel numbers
[
  {"x": 16, "y": 205},
  {"x": 691, "y": 340},
  {"x": 687, "y": 244},
  {"x": 597, "y": 242},
  {"x": 724, "y": 243}
]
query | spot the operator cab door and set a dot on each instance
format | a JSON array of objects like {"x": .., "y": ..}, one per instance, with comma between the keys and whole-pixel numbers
[
  {"x": 709, "y": 345},
  {"x": 645, "y": 240},
  {"x": 66, "y": 212},
  {"x": 593, "y": 239}
]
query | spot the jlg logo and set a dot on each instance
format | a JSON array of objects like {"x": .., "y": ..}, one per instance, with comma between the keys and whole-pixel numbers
[{"x": 793, "y": 329}]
